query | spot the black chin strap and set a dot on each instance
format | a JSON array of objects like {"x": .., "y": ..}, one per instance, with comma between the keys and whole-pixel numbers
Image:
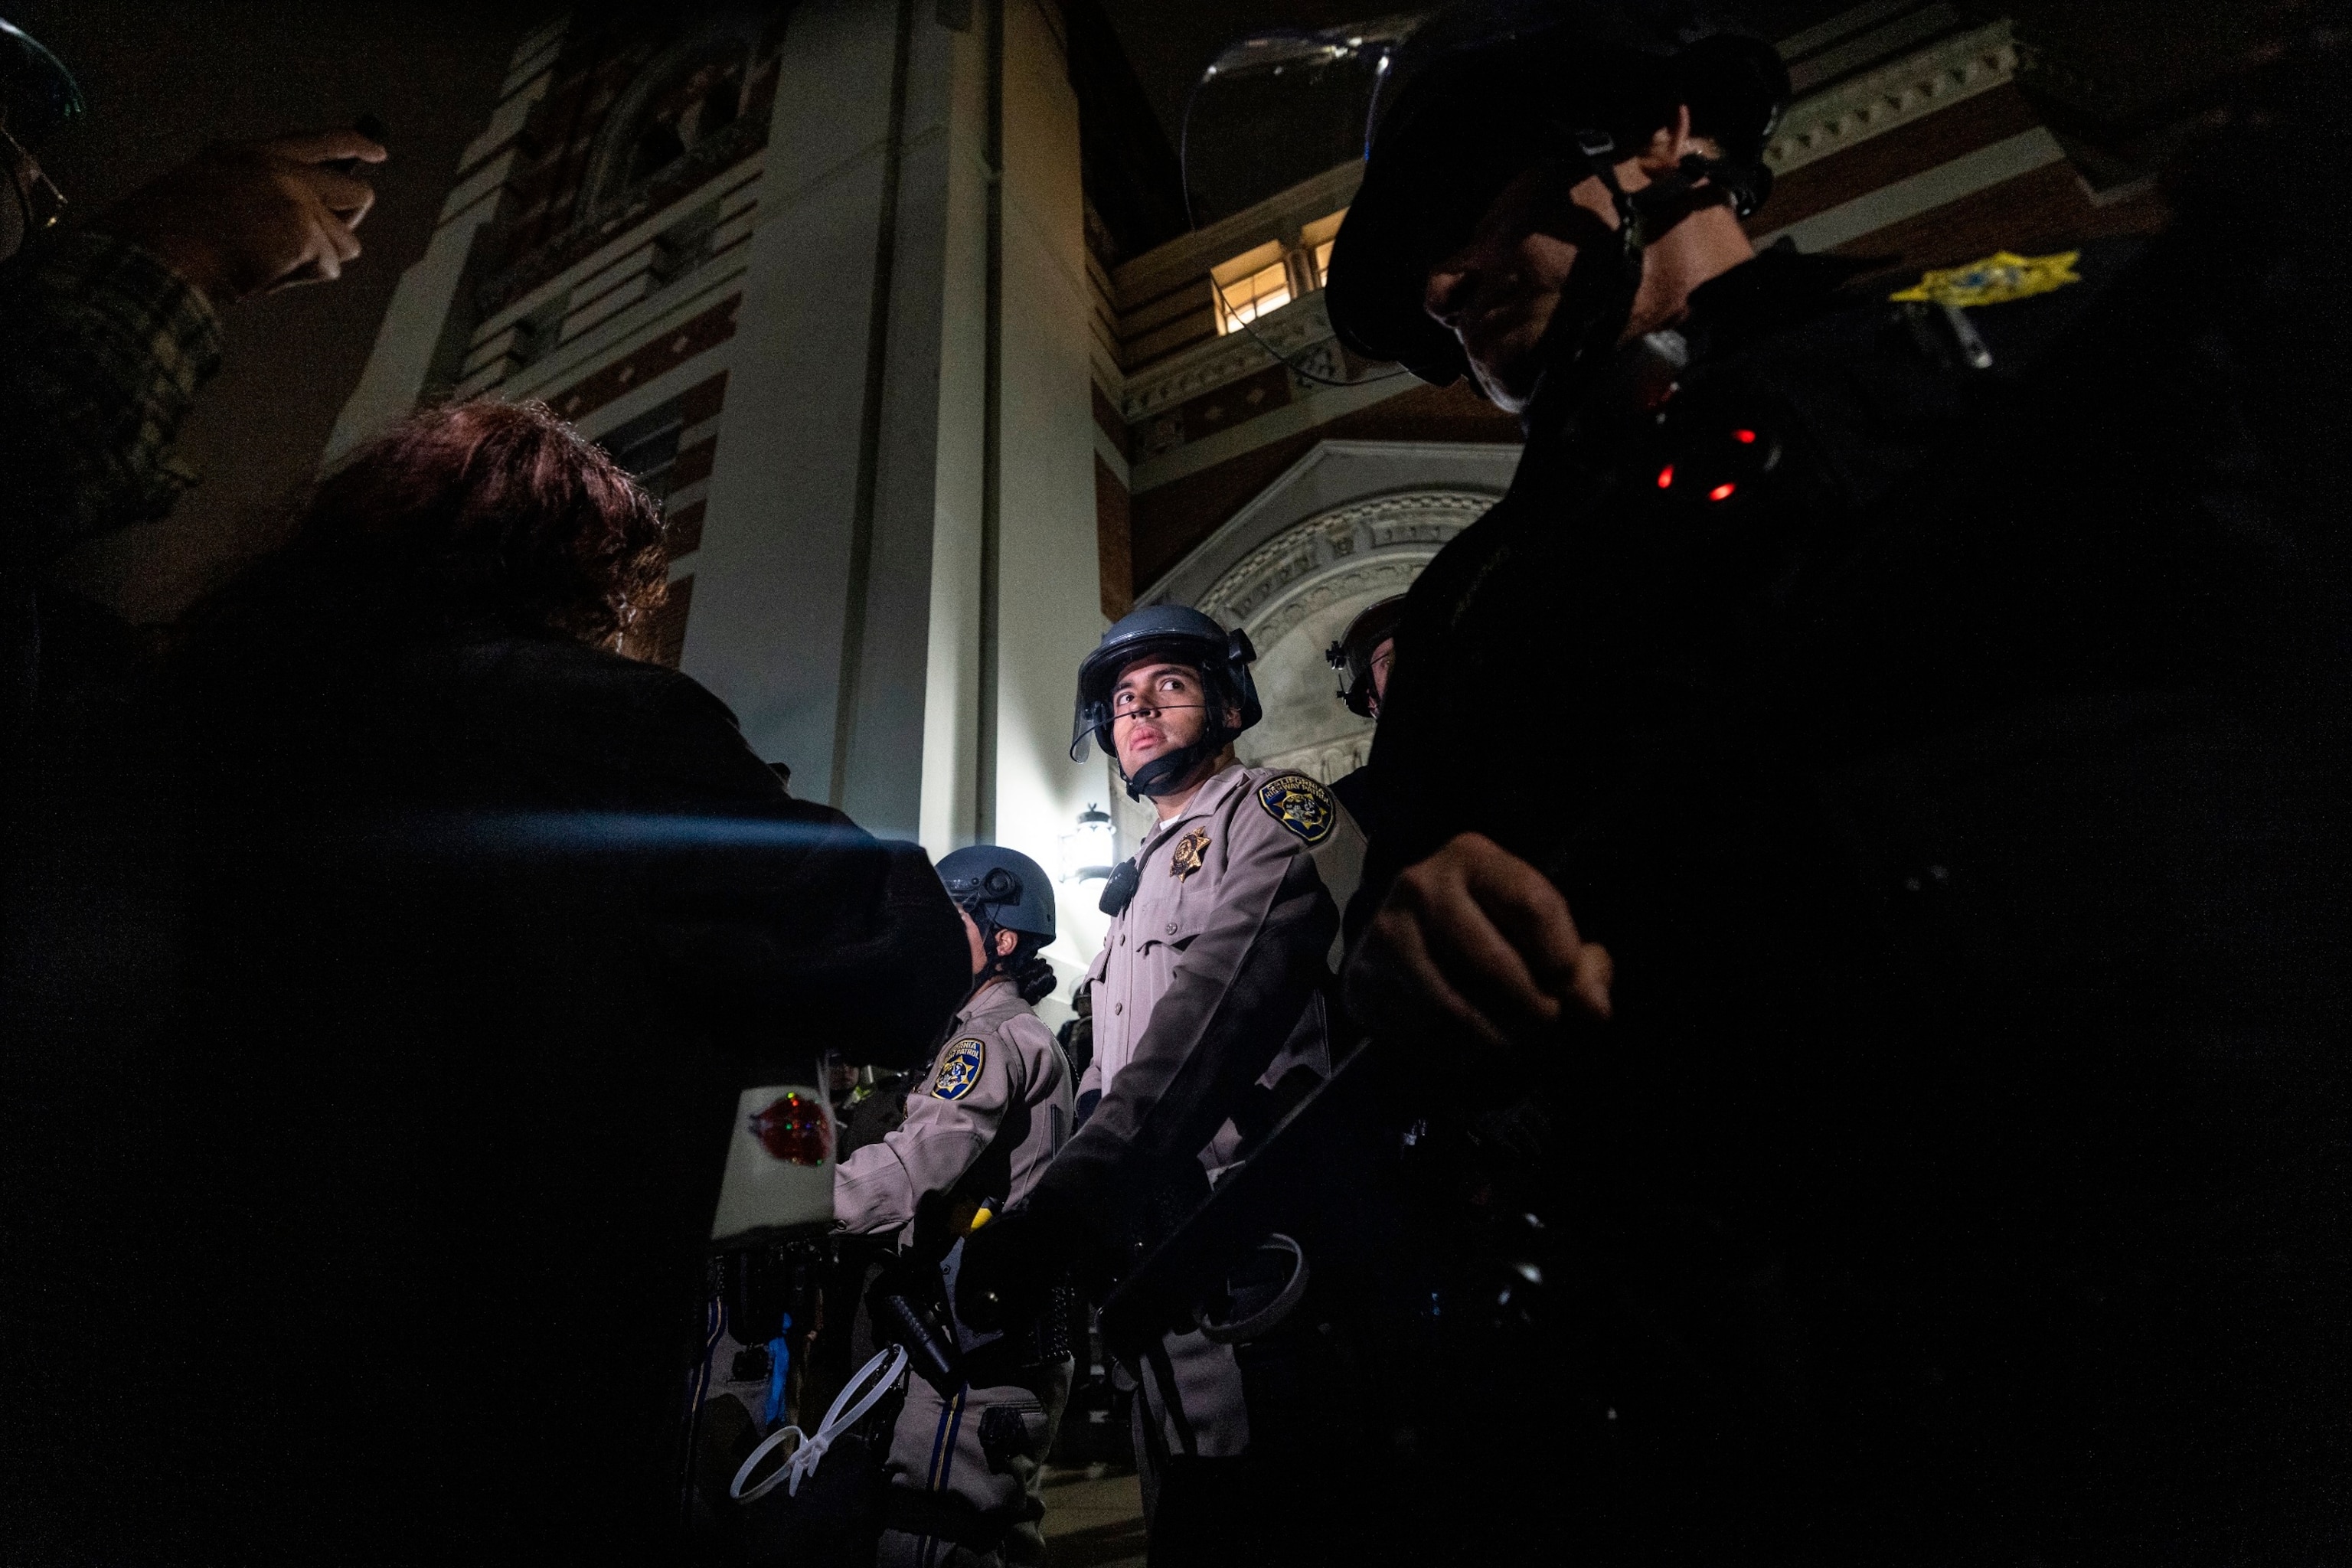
[
  {"x": 1585, "y": 329},
  {"x": 1166, "y": 772}
]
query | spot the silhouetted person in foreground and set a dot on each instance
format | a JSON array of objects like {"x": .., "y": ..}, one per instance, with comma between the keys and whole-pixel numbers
[{"x": 490, "y": 923}]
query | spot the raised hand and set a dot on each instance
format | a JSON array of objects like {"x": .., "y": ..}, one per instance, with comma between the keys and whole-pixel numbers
[{"x": 243, "y": 218}]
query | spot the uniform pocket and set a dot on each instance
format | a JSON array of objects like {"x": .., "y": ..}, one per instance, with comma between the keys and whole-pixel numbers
[{"x": 1175, "y": 929}]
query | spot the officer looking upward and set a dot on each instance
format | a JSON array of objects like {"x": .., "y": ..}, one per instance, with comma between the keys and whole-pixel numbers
[
  {"x": 1915, "y": 924},
  {"x": 1209, "y": 1011},
  {"x": 964, "y": 1469},
  {"x": 1363, "y": 659}
]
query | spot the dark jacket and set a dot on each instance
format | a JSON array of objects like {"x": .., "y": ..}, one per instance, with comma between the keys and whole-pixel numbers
[
  {"x": 1952, "y": 760},
  {"x": 488, "y": 931}
]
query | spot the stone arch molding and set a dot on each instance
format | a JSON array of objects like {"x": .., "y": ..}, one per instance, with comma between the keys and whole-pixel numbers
[
  {"x": 1296, "y": 591},
  {"x": 1362, "y": 552},
  {"x": 730, "y": 36}
]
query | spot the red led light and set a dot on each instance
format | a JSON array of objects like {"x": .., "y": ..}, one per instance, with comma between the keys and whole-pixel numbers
[
  {"x": 793, "y": 1129},
  {"x": 1721, "y": 492},
  {"x": 1745, "y": 437},
  {"x": 1665, "y": 475}
]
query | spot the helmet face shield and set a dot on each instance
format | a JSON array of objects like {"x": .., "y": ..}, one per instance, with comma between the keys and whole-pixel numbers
[
  {"x": 1276, "y": 109},
  {"x": 1482, "y": 93},
  {"x": 40, "y": 93}
]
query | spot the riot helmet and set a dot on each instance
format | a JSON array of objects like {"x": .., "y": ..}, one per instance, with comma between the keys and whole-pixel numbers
[
  {"x": 1003, "y": 889},
  {"x": 1000, "y": 888},
  {"x": 1351, "y": 657},
  {"x": 40, "y": 94},
  {"x": 1576, "y": 88},
  {"x": 1181, "y": 635}
]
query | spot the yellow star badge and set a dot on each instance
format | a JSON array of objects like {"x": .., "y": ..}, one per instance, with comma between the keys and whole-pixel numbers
[{"x": 2001, "y": 276}]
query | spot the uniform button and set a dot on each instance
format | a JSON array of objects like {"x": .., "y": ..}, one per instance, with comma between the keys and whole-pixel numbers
[
  {"x": 1118, "y": 1007},
  {"x": 1172, "y": 928},
  {"x": 1122, "y": 940}
]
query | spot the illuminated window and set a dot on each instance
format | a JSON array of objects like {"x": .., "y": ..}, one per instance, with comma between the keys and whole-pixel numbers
[
  {"x": 1316, "y": 239},
  {"x": 1247, "y": 298},
  {"x": 1262, "y": 281}
]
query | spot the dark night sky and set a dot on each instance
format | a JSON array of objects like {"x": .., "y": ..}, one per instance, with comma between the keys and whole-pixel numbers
[{"x": 161, "y": 81}]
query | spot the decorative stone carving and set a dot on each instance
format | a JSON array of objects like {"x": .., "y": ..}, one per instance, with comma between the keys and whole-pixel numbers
[
  {"x": 1376, "y": 544},
  {"x": 1298, "y": 334},
  {"x": 1854, "y": 111}
]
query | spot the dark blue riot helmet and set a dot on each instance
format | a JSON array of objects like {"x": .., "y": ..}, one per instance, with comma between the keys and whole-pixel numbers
[
  {"x": 1482, "y": 93},
  {"x": 1003, "y": 889},
  {"x": 1000, "y": 886},
  {"x": 1181, "y": 635},
  {"x": 39, "y": 92}
]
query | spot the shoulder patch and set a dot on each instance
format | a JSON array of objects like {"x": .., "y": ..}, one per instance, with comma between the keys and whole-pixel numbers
[
  {"x": 960, "y": 1069},
  {"x": 1999, "y": 278},
  {"x": 1301, "y": 805}
]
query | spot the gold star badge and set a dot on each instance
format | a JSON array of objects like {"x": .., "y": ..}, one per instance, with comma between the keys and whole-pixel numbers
[
  {"x": 1189, "y": 850},
  {"x": 2003, "y": 276}
]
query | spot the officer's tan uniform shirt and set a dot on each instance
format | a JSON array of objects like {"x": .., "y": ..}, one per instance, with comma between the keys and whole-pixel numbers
[
  {"x": 1211, "y": 980},
  {"x": 981, "y": 1123},
  {"x": 1246, "y": 873}
]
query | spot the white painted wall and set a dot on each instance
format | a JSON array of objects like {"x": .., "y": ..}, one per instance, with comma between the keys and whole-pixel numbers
[
  {"x": 951, "y": 682},
  {"x": 766, "y": 627},
  {"x": 1051, "y": 615}
]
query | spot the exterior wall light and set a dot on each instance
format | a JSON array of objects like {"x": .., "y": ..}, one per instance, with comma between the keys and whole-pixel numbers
[{"x": 1087, "y": 854}]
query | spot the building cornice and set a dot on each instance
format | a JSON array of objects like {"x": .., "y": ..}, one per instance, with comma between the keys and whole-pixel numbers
[
  {"x": 1276, "y": 338},
  {"x": 1854, "y": 111}
]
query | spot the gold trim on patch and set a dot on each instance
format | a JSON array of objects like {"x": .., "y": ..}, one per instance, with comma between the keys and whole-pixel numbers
[
  {"x": 1300, "y": 805},
  {"x": 1998, "y": 278},
  {"x": 959, "y": 1067}
]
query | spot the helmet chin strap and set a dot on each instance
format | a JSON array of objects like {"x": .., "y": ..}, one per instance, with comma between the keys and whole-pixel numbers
[
  {"x": 1165, "y": 774},
  {"x": 1598, "y": 299}
]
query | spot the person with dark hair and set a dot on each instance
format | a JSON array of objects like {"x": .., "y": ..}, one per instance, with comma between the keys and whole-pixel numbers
[
  {"x": 491, "y": 923},
  {"x": 966, "y": 1464},
  {"x": 1916, "y": 949}
]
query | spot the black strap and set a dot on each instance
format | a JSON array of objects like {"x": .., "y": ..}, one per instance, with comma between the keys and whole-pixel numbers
[{"x": 1163, "y": 1372}]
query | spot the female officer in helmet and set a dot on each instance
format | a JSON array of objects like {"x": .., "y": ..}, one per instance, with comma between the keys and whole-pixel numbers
[{"x": 964, "y": 1465}]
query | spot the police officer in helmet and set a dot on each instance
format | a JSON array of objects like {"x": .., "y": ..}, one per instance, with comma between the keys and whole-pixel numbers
[
  {"x": 1210, "y": 1014},
  {"x": 1828, "y": 780},
  {"x": 1362, "y": 658},
  {"x": 965, "y": 1465}
]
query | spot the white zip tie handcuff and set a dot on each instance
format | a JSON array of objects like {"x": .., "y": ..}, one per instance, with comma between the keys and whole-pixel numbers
[{"x": 805, "y": 1458}]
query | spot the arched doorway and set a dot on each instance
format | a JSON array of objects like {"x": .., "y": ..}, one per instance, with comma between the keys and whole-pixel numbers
[{"x": 1297, "y": 593}]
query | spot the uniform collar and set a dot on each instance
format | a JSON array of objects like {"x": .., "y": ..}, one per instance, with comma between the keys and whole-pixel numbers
[
  {"x": 1206, "y": 799},
  {"x": 997, "y": 1000}
]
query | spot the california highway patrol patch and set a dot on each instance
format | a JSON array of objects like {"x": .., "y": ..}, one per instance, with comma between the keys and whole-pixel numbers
[
  {"x": 2001, "y": 276},
  {"x": 1299, "y": 803},
  {"x": 960, "y": 1069}
]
